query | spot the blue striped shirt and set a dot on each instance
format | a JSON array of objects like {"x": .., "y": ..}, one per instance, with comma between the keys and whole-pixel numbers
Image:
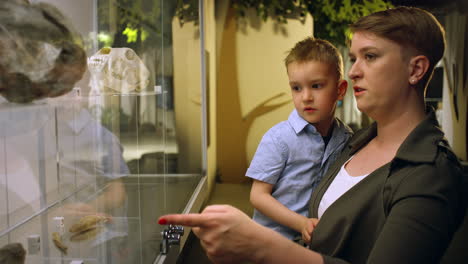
[{"x": 293, "y": 157}]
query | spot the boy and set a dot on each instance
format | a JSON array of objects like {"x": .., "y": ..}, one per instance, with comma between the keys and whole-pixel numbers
[{"x": 294, "y": 154}]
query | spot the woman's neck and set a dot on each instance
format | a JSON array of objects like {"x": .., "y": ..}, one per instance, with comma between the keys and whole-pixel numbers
[{"x": 395, "y": 128}]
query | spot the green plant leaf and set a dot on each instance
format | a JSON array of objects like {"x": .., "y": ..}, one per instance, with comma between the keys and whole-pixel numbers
[{"x": 331, "y": 17}]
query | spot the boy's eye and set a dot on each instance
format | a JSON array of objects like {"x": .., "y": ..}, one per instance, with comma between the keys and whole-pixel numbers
[
  {"x": 295, "y": 88},
  {"x": 317, "y": 85}
]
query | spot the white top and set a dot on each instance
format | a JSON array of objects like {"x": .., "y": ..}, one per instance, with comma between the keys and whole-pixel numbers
[{"x": 341, "y": 184}]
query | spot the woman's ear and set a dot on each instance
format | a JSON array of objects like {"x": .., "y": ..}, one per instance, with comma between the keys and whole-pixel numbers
[
  {"x": 342, "y": 87},
  {"x": 419, "y": 65}
]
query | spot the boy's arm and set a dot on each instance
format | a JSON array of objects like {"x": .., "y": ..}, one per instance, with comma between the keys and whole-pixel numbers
[{"x": 261, "y": 199}]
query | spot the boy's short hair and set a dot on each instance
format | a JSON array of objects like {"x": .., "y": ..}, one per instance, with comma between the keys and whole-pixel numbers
[
  {"x": 412, "y": 28},
  {"x": 313, "y": 49}
]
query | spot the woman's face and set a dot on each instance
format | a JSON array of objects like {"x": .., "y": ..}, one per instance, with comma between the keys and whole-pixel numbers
[{"x": 379, "y": 74}]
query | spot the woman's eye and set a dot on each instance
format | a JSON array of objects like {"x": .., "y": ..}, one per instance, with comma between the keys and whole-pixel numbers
[
  {"x": 370, "y": 56},
  {"x": 352, "y": 60}
]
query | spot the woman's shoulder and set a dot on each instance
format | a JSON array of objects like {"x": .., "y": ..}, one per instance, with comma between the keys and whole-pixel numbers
[
  {"x": 441, "y": 177},
  {"x": 446, "y": 153},
  {"x": 447, "y": 163},
  {"x": 440, "y": 166}
]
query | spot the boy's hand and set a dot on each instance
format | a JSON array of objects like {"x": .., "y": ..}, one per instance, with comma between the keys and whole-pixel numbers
[{"x": 308, "y": 228}]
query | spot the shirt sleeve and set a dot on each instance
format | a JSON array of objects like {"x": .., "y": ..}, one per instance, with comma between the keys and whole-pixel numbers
[{"x": 269, "y": 160}]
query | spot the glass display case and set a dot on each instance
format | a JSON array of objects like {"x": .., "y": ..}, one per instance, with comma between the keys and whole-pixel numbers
[{"x": 102, "y": 128}]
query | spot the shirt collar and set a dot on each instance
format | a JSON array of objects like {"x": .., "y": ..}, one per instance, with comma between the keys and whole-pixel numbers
[
  {"x": 417, "y": 147},
  {"x": 297, "y": 122},
  {"x": 79, "y": 121}
]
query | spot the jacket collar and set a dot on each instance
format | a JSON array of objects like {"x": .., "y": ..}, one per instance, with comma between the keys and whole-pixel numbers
[{"x": 420, "y": 145}]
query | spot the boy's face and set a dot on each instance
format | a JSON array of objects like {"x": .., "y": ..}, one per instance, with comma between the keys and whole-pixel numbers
[{"x": 315, "y": 91}]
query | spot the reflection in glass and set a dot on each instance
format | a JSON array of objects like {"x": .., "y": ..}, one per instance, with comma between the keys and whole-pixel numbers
[{"x": 99, "y": 135}]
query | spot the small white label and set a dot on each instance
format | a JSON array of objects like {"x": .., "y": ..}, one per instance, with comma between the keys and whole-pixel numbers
[
  {"x": 158, "y": 89},
  {"x": 59, "y": 224},
  {"x": 76, "y": 262},
  {"x": 34, "y": 244}
]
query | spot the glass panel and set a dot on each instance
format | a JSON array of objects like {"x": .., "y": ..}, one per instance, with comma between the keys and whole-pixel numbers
[
  {"x": 3, "y": 187},
  {"x": 100, "y": 126},
  {"x": 28, "y": 142}
]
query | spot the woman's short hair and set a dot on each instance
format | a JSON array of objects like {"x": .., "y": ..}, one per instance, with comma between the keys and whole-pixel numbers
[{"x": 410, "y": 27}]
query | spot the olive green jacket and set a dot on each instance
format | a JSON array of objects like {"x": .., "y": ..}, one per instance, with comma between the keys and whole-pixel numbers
[{"x": 404, "y": 212}]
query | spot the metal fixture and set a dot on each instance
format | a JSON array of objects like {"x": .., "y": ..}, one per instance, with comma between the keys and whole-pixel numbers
[{"x": 170, "y": 236}]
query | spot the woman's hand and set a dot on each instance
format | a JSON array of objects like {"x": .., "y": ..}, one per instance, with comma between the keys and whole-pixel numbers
[
  {"x": 230, "y": 236},
  {"x": 227, "y": 234},
  {"x": 308, "y": 228}
]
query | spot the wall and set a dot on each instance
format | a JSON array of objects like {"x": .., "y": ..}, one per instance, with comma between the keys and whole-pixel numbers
[
  {"x": 455, "y": 94},
  {"x": 252, "y": 86},
  {"x": 211, "y": 66},
  {"x": 187, "y": 95},
  {"x": 455, "y": 108}
]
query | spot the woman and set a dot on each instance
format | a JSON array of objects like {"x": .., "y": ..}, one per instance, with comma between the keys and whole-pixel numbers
[{"x": 395, "y": 195}]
